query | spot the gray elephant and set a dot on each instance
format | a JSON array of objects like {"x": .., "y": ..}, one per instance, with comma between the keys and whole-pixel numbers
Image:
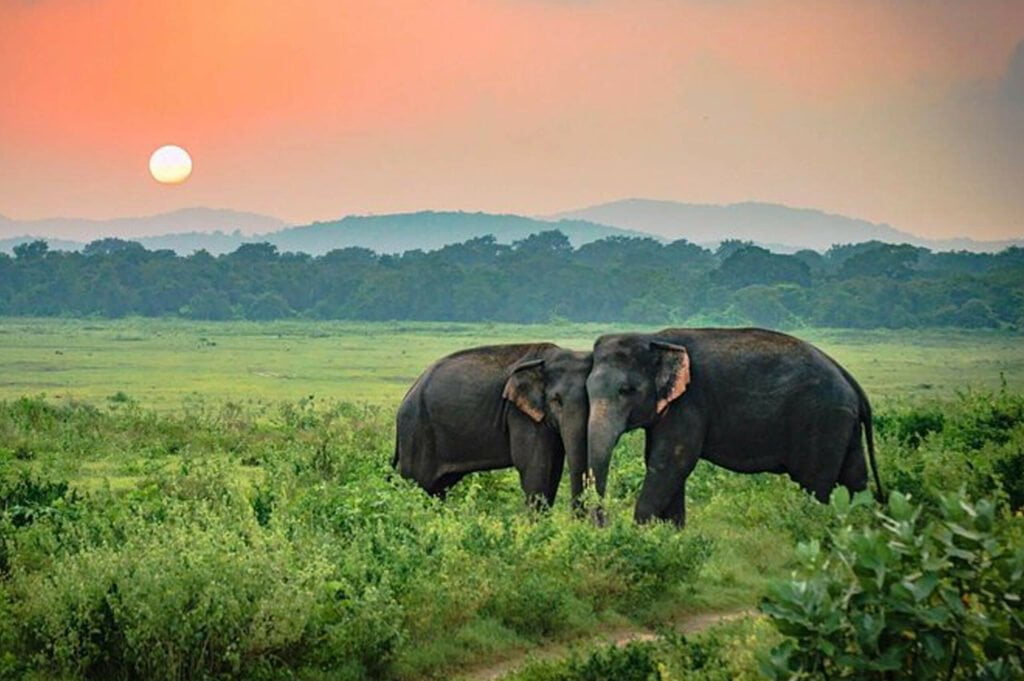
[
  {"x": 748, "y": 400},
  {"x": 494, "y": 407}
]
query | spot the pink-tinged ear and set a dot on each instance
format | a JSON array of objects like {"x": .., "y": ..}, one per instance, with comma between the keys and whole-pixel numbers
[
  {"x": 673, "y": 373},
  {"x": 525, "y": 389}
]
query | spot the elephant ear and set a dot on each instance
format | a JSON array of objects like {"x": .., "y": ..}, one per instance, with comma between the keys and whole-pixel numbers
[
  {"x": 673, "y": 372},
  {"x": 525, "y": 388}
]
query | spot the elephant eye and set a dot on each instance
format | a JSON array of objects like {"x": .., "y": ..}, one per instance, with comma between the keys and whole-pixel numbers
[
  {"x": 626, "y": 390},
  {"x": 557, "y": 399}
]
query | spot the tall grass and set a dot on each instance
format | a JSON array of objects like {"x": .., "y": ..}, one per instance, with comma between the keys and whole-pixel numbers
[
  {"x": 274, "y": 540},
  {"x": 279, "y": 541}
]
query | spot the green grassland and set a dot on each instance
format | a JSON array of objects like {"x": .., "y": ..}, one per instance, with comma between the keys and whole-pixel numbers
[
  {"x": 161, "y": 362},
  {"x": 173, "y": 504}
]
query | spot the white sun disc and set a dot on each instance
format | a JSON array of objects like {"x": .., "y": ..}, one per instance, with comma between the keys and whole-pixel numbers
[{"x": 170, "y": 164}]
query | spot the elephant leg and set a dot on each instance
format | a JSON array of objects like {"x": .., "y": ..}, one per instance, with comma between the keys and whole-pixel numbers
[
  {"x": 554, "y": 479},
  {"x": 673, "y": 448},
  {"x": 822, "y": 452},
  {"x": 854, "y": 472},
  {"x": 536, "y": 451},
  {"x": 440, "y": 485},
  {"x": 418, "y": 461},
  {"x": 676, "y": 509},
  {"x": 576, "y": 490}
]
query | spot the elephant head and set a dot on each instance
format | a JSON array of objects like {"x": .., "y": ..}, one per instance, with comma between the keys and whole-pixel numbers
[
  {"x": 552, "y": 391},
  {"x": 633, "y": 381}
]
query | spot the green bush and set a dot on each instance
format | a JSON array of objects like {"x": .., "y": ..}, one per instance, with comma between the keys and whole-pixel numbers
[
  {"x": 905, "y": 595},
  {"x": 275, "y": 540},
  {"x": 198, "y": 598},
  {"x": 975, "y": 441},
  {"x": 725, "y": 652},
  {"x": 632, "y": 662},
  {"x": 648, "y": 563},
  {"x": 278, "y": 537},
  {"x": 1009, "y": 470},
  {"x": 24, "y": 497},
  {"x": 911, "y": 427}
]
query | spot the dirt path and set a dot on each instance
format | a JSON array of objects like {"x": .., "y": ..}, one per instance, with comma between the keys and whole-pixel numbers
[{"x": 689, "y": 624}]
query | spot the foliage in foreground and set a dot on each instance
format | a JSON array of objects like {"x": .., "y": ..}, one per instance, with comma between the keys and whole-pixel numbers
[
  {"x": 727, "y": 652},
  {"x": 271, "y": 541},
  {"x": 975, "y": 442},
  {"x": 932, "y": 585},
  {"x": 277, "y": 543},
  {"x": 889, "y": 594},
  {"x": 930, "y": 589},
  {"x": 906, "y": 594}
]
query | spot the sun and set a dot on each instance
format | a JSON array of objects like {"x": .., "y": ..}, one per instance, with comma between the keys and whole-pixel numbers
[{"x": 170, "y": 164}]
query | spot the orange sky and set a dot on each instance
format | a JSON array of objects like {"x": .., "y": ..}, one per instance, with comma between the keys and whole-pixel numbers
[{"x": 900, "y": 112}]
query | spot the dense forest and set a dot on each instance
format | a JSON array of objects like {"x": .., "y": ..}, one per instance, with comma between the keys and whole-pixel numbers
[{"x": 537, "y": 279}]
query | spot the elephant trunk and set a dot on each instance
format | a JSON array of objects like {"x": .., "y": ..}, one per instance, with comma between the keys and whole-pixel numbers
[
  {"x": 603, "y": 432},
  {"x": 574, "y": 439}
]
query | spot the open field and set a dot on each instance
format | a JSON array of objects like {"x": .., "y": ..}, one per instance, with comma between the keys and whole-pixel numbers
[
  {"x": 160, "y": 362},
  {"x": 176, "y": 507}
]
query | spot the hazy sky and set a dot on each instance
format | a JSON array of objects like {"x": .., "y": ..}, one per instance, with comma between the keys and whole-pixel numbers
[{"x": 903, "y": 111}]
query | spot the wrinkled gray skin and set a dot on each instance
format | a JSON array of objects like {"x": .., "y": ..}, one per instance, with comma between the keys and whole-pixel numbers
[
  {"x": 756, "y": 401},
  {"x": 494, "y": 407}
]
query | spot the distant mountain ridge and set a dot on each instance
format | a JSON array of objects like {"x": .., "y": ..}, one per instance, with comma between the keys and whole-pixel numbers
[
  {"x": 392, "y": 233},
  {"x": 196, "y": 219},
  {"x": 429, "y": 230},
  {"x": 774, "y": 226},
  {"x": 781, "y": 227}
]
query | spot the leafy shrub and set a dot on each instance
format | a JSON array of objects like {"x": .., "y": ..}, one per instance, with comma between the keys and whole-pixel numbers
[
  {"x": 120, "y": 397},
  {"x": 911, "y": 427},
  {"x": 279, "y": 535},
  {"x": 198, "y": 599},
  {"x": 632, "y": 662},
  {"x": 1010, "y": 471},
  {"x": 24, "y": 497},
  {"x": 725, "y": 652},
  {"x": 645, "y": 564},
  {"x": 535, "y": 604},
  {"x": 985, "y": 417},
  {"x": 905, "y": 594},
  {"x": 975, "y": 441},
  {"x": 273, "y": 540}
]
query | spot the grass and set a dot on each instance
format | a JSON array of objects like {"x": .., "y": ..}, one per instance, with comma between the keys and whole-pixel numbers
[
  {"x": 277, "y": 537},
  {"x": 162, "y": 362},
  {"x": 192, "y": 428}
]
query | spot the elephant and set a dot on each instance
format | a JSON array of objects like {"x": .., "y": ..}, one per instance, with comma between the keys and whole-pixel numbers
[
  {"x": 493, "y": 407},
  {"x": 749, "y": 400}
]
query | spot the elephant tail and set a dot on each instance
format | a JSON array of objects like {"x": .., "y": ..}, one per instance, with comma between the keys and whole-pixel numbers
[
  {"x": 869, "y": 435},
  {"x": 869, "y": 429},
  {"x": 394, "y": 458}
]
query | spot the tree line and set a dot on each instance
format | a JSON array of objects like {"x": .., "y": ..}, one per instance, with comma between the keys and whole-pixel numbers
[{"x": 537, "y": 279}]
